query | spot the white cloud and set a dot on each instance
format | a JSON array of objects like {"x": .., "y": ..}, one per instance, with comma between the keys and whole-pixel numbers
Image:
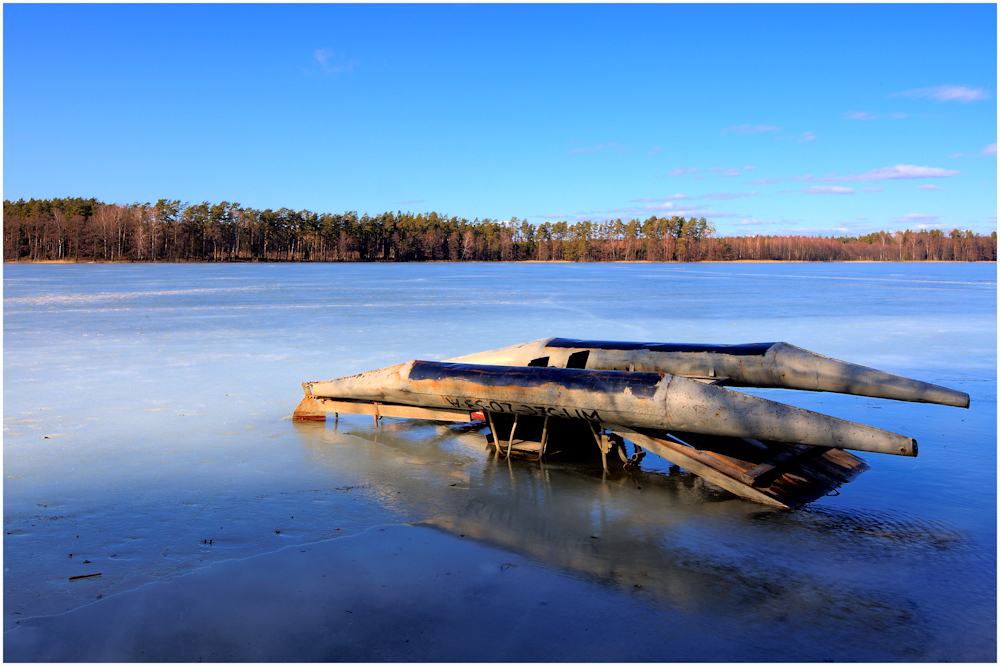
[
  {"x": 828, "y": 189},
  {"x": 652, "y": 208},
  {"x": 751, "y": 222},
  {"x": 718, "y": 196},
  {"x": 322, "y": 56},
  {"x": 789, "y": 230},
  {"x": 672, "y": 197},
  {"x": 681, "y": 172},
  {"x": 990, "y": 149},
  {"x": 871, "y": 189},
  {"x": 930, "y": 187},
  {"x": 326, "y": 58},
  {"x": 726, "y": 195},
  {"x": 947, "y": 93},
  {"x": 864, "y": 115},
  {"x": 919, "y": 220},
  {"x": 764, "y": 181},
  {"x": 900, "y": 171},
  {"x": 731, "y": 172}
]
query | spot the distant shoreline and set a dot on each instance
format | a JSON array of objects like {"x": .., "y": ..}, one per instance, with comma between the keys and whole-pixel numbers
[
  {"x": 83, "y": 230},
  {"x": 519, "y": 261}
]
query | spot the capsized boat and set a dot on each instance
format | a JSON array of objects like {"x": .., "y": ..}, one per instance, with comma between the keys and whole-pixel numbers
[{"x": 669, "y": 399}]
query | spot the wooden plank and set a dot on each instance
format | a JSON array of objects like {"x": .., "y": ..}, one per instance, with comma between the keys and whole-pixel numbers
[
  {"x": 510, "y": 443},
  {"x": 736, "y": 463},
  {"x": 818, "y": 476},
  {"x": 802, "y": 477},
  {"x": 770, "y": 468},
  {"x": 834, "y": 466},
  {"x": 742, "y": 447},
  {"x": 840, "y": 465},
  {"x": 843, "y": 458},
  {"x": 393, "y": 411},
  {"x": 518, "y": 446},
  {"x": 715, "y": 381},
  {"x": 545, "y": 437},
  {"x": 719, "y": 473},
  {"x": 526, "y": 446},
  {"x": 309, "y": 410}
]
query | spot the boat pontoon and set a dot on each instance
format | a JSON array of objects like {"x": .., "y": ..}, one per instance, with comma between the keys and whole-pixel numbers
[{"x": 551, "y": 396}]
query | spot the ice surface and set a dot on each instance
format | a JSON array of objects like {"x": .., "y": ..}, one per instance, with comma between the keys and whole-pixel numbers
[{"x": 147, "y": 432}]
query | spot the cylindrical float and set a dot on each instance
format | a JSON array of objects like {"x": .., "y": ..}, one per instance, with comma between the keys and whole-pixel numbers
[
  {"x": 765, "y": 364},
  {"x": 634, "y": 399}
]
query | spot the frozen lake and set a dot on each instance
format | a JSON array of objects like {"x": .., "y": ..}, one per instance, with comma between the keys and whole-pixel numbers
[{"x": 147, "y": 437}]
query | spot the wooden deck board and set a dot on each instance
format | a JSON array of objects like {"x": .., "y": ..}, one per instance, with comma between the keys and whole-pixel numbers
[{"x": 794, "y": 475}]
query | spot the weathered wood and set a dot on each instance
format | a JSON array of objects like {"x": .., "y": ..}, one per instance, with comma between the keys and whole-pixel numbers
[
  {"x": 799, "y": 477},
  {"x": 741, "y": 447},
  {"x": 736, "y": 463},
  {"x": 511, "y": 441},
  {"x": 517, "y": 447},
  {"x": 602, "y": 444},
  {"x": 714, "y": 381},
  {"x": 768, "y": 469},
  {"x": 841, "y": 465},
  {"x": 843, "y": 458},
  {"x": 526, "y": 446},
  {"x": 383, "y": 410},
  {"x": 825, "y": 466},
  {"x": 493, "y": 431},
  {"x": 309, "y": 409},
  {"x": 719, "y": 473},
  {"x": 545, "y": 438}
]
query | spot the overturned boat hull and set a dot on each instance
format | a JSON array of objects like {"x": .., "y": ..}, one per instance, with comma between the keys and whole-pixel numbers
[
  {"x": 667, "y": 399},
  {"x": 640, "y": 399}
]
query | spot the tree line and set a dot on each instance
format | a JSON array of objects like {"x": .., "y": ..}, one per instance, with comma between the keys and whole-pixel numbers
[{"x": 76, "y": 229}]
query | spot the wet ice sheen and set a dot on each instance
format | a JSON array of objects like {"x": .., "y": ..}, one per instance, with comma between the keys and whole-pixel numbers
[{"x": 146, "y": 432}]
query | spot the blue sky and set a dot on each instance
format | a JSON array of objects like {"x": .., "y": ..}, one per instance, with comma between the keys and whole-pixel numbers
[{"x": 775, "y": 119}]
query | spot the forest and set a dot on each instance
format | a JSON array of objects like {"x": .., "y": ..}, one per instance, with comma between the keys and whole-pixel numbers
[{"x": 87, "y": 230}]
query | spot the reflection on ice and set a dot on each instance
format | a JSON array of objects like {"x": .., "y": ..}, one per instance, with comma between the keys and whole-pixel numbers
[{"x": 669, "y": 537}]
